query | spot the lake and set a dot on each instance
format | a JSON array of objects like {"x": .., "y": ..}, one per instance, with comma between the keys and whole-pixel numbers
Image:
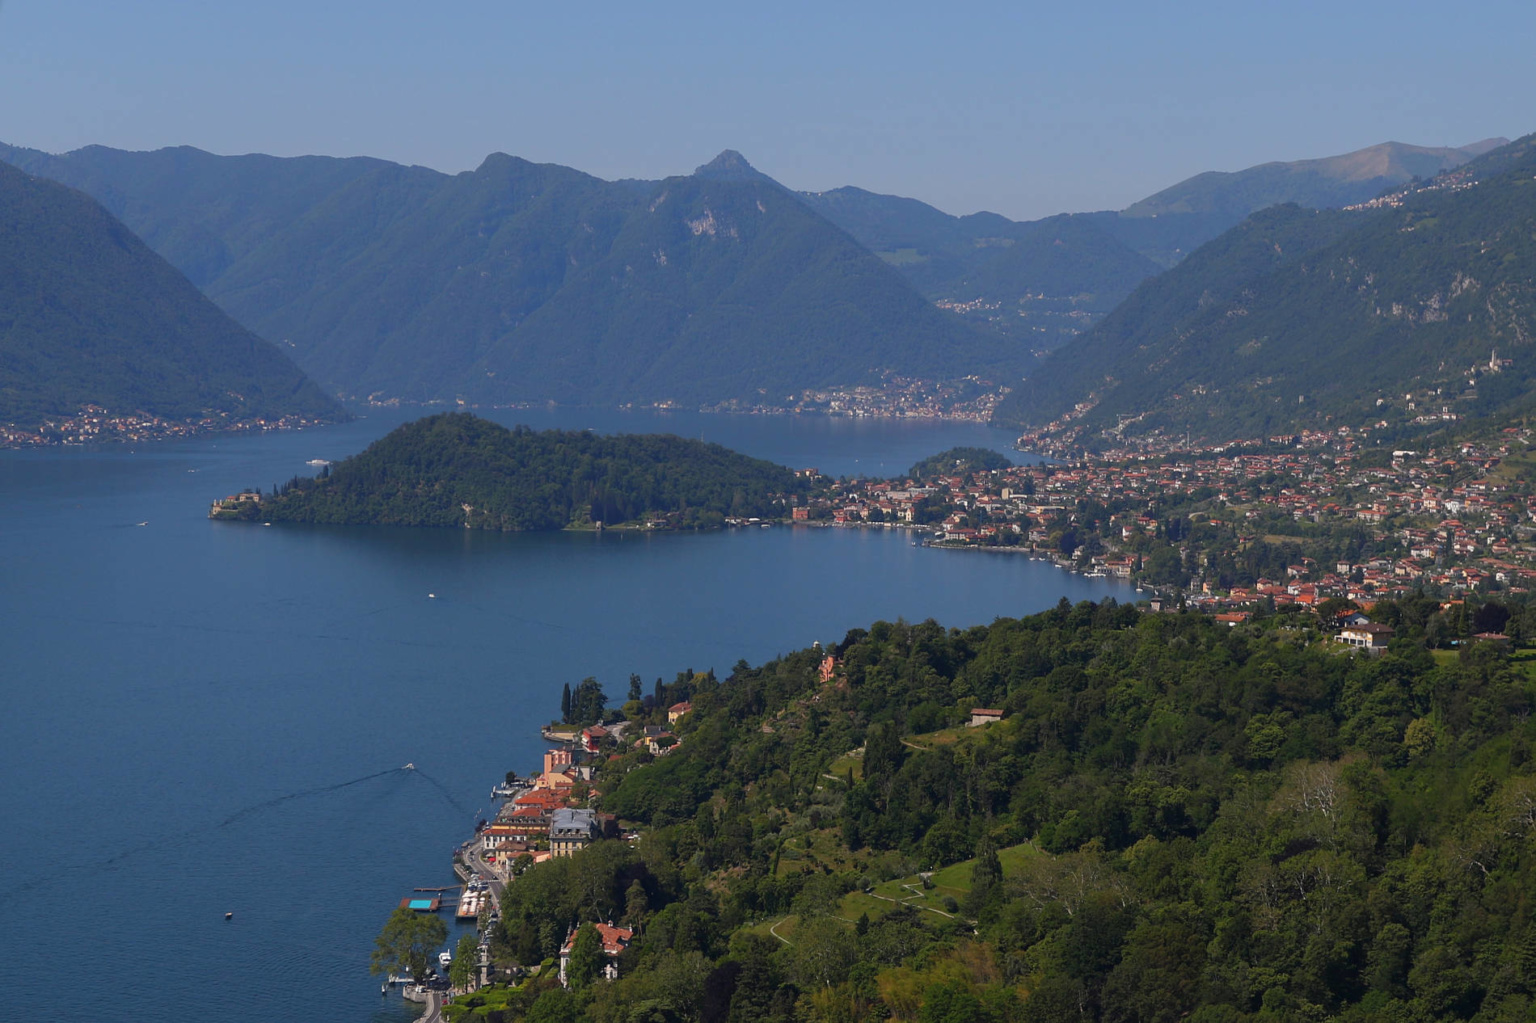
[{"x": 205, "y": 717}]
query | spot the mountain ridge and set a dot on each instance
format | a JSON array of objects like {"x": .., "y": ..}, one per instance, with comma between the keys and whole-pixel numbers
[{"x": 89, "y": 315}]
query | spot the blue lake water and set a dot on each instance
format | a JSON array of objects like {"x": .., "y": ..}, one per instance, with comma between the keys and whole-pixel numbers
[{"x": 207, "y": 717}]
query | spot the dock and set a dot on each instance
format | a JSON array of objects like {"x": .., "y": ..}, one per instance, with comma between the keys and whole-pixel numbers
[{"x": 471, "y": 902}]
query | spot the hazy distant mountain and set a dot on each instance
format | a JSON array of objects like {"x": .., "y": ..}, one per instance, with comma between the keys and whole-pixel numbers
[
  {"x": 526, "y": 282},
  {"x": 1040, "y": 282},
  {"x": 1328, "y": 183},
  {"x": 1302, "y": 318},
  {"x": 88, "y": 314},
  {"x": 1046, "y": 281}
]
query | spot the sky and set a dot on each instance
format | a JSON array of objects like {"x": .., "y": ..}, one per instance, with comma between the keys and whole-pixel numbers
[{"x": 1021, "y": 108}]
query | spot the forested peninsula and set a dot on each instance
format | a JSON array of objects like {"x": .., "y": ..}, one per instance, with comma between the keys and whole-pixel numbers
[
  {"x": 1173, "y": 819},
  {"x": 457, "y": 469}
]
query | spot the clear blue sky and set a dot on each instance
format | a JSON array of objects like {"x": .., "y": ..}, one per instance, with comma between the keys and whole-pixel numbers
[{"x": 1026, "y": 109}]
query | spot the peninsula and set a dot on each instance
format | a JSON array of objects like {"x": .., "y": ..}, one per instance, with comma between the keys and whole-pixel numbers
[{"x": 456, "y": 469}]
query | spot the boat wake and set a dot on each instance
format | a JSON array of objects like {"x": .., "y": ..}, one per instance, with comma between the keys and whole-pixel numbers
[{"x": 441, "y": 788}]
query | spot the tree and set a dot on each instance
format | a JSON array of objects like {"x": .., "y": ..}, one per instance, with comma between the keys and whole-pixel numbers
[
  {"x": 636, "y": 689},
  {"x": 407, "y": 943},
  {"x": 636, "y": 905},
  {"x": 565, "y": 704},
  {"x": 587, "y": 703},
  {"x": 586, "y": 961},
  {"x": 466, "y": 956},
  {"x": 985, "y": 875}
]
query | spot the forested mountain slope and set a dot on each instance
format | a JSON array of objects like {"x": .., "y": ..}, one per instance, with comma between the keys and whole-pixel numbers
[
  {"x": 1174, "y": 820},
  {"x": 89, "y": 315},
  {"x": 1383, "y": 314}
]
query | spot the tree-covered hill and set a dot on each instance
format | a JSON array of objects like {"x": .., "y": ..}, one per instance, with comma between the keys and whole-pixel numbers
[
  {"x": 1174, "y": 820},
  {"x": 1299, "y": 319},
  {"x": 90, "y": 315},
  {"x": 959, "y": 461},
  {"x": 456, "y": 469}
]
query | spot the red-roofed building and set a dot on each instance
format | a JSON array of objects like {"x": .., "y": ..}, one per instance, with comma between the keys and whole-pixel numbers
[{"x": 615, "y": 940}]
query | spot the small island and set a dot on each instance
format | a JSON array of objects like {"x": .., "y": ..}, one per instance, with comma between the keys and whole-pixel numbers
[{"x": 459, "y": 470}]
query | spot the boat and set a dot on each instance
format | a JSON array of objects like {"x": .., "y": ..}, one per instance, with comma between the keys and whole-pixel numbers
[
  {"x": 444, "y": 959},
  {"x": 318, "y": 462},
  {"x": 408, "y": 767}
]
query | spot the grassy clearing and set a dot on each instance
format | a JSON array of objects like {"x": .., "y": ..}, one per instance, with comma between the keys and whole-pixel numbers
[{"x": 954, "y": 881}]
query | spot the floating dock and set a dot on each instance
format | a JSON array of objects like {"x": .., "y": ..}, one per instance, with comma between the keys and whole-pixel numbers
[{"x": 429, "y": 904}]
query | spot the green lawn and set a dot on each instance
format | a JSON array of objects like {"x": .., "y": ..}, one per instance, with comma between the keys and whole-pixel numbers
[{"x": 953, "y": 881}]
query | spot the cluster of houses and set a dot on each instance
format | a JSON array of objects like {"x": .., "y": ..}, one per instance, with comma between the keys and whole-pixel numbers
[
  {"x": 1449, "y": 520},
  {"x": 546, "y": 817}
]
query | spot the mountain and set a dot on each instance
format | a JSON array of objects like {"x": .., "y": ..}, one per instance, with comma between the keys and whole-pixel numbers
[
  {"x": 1045, "y": 281},
  {"x": 201, "y": 212},
  {"x": 1328, "y": 183},
  {"x": 89, "y": 315},
  {"x": 1041, "y": 282},
  {"x": 461, "y": 471},
  {"x": 730, "y": 288},
  {"x": 1302, "y": 318},
  {"x": 529, "y": 282}
]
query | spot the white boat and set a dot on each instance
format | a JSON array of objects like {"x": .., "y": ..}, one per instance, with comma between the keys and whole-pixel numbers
[
  {"x": 318, "y": 462},
  {"x": 444, "y": 959}
]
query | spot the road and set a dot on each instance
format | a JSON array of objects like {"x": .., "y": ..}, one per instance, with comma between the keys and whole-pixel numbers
[{"x": 471, "y": 855}]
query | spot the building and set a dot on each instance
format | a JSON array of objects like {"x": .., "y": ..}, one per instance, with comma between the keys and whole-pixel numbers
[
  {"x": 570, "y": 831},
  {"x": 1370, "y": 637},
  {"x": 615, "y": 940},
  {"x": 677, "y": 710},
  {"x": 984, "y": 716}
]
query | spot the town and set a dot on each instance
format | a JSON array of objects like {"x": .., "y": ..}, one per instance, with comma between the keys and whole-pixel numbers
[
  {"x": 1295, "y": 525},
  {"x": 94, "y": 424}
]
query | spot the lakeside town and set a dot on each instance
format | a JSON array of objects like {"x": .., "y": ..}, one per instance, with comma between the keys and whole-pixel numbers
[
  {"x": 94, "y": 424},
  {"x": 1297, "y": 525},
  {"x": 547, "y": 815}
]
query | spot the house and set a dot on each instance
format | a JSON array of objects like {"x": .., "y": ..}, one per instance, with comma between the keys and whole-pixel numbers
[
  {"x": 570, "y": 831},
  {"x": 615, "y": 940},
  {"x": 661, "y": 744},
  {"x": 1351, "y": 619},
  {"x": 677, "y": 710},
  {"x": 1232, "y": 618},
  {"x": 593, "y": 737},
  {"x": 984, "y": 716},
  {"x": 828, "y": 666},
  {"x": 1370, "y": 637}
]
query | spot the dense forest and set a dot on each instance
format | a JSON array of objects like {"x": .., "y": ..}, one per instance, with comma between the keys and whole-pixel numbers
[
  {"x": 1174, "y": 820},
  {"x": 456, "y": 469}
]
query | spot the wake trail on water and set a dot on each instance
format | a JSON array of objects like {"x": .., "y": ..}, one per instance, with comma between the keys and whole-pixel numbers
[
  {"x": 114, "y": 861},
  {"x": 444, "y": 790},
  {"x": 240, "y": 815}
]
